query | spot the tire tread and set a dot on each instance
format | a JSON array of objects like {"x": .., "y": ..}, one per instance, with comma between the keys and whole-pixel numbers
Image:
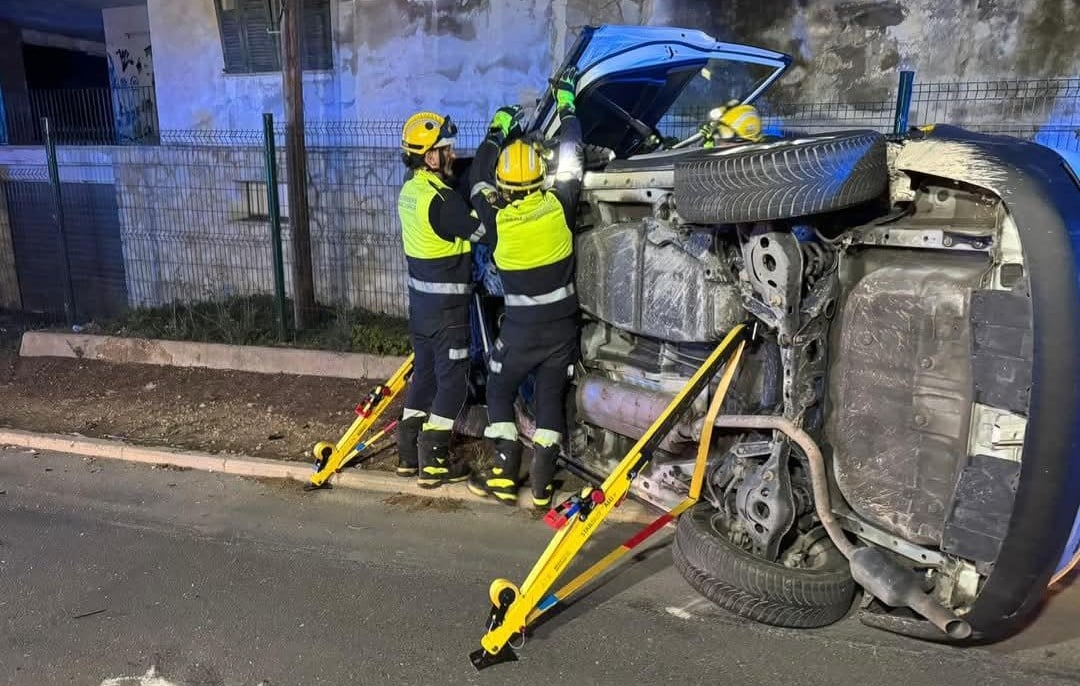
[
  {"x": 754, "y": 588},
  {"x": 782, "y": 180}
]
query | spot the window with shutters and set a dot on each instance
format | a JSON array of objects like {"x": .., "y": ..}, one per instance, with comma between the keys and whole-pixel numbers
[{"x": 250, "y": 38}]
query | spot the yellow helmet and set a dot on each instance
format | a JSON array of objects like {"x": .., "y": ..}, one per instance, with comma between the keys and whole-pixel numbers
[
  {"x": 426, "y": 130},
  {"x": 520, "y": 168},
  {"x": 740, "y": 121},
  {"x": 744, "y": 121}
]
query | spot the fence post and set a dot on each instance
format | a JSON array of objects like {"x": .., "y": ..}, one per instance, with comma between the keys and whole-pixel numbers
[
  {"x": 903, "y": 102},
  {"x": 70, "y": 313},
  {"x": 273, "y": 205}
]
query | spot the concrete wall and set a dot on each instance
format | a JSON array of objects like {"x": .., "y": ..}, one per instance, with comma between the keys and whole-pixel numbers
[
  {"x": 468, "y": 56},
  {"x": 131, "y": 71},
  {"x": 55, "y": 40},
  {"x": 391, "y": 57}
]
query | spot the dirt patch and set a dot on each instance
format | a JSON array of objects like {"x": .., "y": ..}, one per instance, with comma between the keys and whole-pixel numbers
[
  {"x": 418, "y": 503},
  {"x": 262, "y": 415},
  {"x": 275, "y": 416}
]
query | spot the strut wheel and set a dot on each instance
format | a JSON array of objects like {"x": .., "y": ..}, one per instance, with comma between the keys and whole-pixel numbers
[
  {"x": 322, "y": 452},
  {"x": 496, "y": 592}
]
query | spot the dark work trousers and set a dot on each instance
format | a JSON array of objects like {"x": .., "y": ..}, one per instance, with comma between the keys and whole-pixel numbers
[
  {"x": 439, "y": 383},
  {"x": 549, "y": 349}
]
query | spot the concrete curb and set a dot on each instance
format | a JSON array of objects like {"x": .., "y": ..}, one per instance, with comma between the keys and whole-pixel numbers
[
  {"x": 241, "y": 358},
  {"x": 377, "y": 482}
]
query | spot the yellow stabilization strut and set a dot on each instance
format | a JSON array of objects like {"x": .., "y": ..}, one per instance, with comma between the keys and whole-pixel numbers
[
  {"x": 698, "y": 478},
  {"x": 330, "y": 458},
  {"x": 578, "y": 517}
]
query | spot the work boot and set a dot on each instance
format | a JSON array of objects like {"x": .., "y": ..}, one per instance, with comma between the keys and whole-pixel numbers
[
  {"x": 502, "y": 479},
  {"x": 543, "y": 474},
  {"x": 436, "y": 468},
  {"x": 408, "y": 460}
]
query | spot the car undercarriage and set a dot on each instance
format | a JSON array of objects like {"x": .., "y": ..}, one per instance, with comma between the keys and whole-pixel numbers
[{"x": 912, "y": 301}]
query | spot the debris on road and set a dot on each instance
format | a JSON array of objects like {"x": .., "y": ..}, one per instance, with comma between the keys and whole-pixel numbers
[{"x": 417, "y": 503}]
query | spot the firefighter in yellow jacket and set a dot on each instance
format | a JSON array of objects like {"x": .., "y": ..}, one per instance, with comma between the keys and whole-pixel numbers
[
  {"x": 437, "y": 226},
  {"x": 530, "y": 231}
]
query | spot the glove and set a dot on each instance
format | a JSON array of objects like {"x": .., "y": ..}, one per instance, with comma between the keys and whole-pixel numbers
[
  {"x": 507, "y": 120},
  {"x": 564, "y": 89},
  {"x": 708, "y": 131}
]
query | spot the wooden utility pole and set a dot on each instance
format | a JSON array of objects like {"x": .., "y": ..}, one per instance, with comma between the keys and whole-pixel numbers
[{"x": 292, "y": 75}]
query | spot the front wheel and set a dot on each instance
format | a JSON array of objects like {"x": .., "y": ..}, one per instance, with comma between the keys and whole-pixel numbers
[{"x": 816, "y": 590}]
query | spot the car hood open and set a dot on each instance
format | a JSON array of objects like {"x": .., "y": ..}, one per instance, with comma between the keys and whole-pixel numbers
[{"x": 629, "y": 78}]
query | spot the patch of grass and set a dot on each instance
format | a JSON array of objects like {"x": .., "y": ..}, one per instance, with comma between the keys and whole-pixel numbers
[
  {"x": 249, "y": 320},
  {"x": 12, "y": 326}
]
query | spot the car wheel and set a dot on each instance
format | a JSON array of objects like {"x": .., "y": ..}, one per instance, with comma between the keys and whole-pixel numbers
[
  {"x": 813, "y": 595},
  {"x": 783, "y": 180}
]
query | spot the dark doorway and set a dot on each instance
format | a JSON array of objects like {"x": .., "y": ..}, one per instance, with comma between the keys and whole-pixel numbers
[
  {"x": 71, "y": 88},
  {"x": 94, "y": 248}
]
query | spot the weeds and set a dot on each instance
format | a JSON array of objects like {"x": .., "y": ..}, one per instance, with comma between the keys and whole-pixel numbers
[{"x": 249, "y": 320}]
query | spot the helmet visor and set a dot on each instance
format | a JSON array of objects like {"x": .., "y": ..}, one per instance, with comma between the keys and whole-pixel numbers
[{"x": 447, "y": 133}]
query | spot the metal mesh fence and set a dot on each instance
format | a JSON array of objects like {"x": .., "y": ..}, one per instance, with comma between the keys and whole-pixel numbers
[
  {"x": 187, "y": 220},
  {"x": 1044, "y": 110},
  {"x": 82, "y": 116}
]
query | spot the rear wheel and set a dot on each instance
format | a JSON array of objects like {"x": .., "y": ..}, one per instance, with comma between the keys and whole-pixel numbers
[{"x": 815, "y": 590}]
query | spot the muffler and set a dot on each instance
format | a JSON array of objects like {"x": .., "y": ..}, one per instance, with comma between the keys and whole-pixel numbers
[{"x": 897, "y": 586}]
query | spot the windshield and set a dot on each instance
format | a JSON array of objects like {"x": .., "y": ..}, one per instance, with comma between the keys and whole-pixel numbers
[
  {"x": 715, "y": 84},
  {"x": 637, "y": 82}
]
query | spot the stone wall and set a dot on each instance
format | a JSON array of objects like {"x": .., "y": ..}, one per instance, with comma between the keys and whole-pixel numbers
[{"x": 850, "y": 50}]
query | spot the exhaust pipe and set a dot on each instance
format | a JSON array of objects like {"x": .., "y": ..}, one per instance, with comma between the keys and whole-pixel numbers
[
  {"x": 627, "y": 410},
  {"x": 883, "y": 577},
  {"x": 897, "y": 586}
]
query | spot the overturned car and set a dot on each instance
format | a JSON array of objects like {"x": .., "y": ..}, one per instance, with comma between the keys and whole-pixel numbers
[{"x": 913, "y": 370}]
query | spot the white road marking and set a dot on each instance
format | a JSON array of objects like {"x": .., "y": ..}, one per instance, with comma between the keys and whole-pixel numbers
[
  {"x": 689, "y": 610},
  {"x": 151, "y": 678}
]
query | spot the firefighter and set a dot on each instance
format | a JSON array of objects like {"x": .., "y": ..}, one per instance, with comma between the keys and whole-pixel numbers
[
  {"x": 437, "y": 226},
  {"x": 733, "y": 123},
  {"x": 530, "y": 231}
]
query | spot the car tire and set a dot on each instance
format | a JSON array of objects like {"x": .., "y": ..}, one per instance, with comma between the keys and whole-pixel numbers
[
  {"x": 782, "y": 180},
  {"x": 754, "y": 588}
]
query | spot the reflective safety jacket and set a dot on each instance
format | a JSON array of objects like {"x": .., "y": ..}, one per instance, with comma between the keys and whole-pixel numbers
[
  {"x": 534, "y": 252},
  {"x": 435, "y": 227},
  {"x": 532, "y": 238}
]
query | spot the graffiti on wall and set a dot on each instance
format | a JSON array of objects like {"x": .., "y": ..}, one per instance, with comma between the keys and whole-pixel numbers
[{"x": 131, "y": 74}]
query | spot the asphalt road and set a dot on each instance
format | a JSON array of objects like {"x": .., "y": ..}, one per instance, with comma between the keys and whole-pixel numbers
[{"x": 109, "y": 570}]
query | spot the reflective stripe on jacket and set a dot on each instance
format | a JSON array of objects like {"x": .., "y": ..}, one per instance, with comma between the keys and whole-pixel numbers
[
  {"x": 440, "y": 271},
  {"x": 534, "y": 253}
]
